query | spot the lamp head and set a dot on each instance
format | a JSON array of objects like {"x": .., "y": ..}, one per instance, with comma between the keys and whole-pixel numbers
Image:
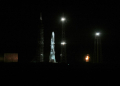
[
  {"x": 97, "y": 34},
  {"x": 63, "y": 19}
]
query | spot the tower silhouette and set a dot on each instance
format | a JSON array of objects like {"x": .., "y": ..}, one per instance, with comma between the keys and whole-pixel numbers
[
  {"x": 39, "y": 57},
  {"x": 41, "y": 52}
]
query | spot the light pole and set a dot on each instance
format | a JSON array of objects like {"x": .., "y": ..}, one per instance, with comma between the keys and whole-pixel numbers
[
  {"x": 97, "y": 48},
  {"x": 63, "y": 43}
]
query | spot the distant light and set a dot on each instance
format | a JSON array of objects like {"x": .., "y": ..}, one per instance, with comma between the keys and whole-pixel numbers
[
  {"x": 63, "y": 43},
  {"x": 62, "y": 19},
  {"x": 68, "y": 64},
  {"x": 97, "y": 34},
  {"x": 87, "y": 58}
]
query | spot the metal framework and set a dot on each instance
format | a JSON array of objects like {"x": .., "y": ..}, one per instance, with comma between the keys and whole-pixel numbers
[
  {"x": 39, "y": 57},
  {"x": 41, "y": 40},
  {"x": 40, "y": 45}
]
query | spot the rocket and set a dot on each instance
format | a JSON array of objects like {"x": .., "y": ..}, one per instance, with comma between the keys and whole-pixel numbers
[{"x": 52, "y": 51}]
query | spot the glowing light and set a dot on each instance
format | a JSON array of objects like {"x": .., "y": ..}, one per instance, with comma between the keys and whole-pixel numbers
[
  {"x": 87, "y": 58},
  {"x": 10, "y": 57},
  {"x": 63, "y": 43},
  {"x": 62, "y": 19},
  {"x": 97, "y": 34}
]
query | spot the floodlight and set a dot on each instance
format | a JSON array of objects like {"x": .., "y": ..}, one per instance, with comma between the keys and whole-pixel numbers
[
  {"x": 63, "y": 19},
  {"x": 97, "y": 34},
  {"x": 63, "y": 43}
]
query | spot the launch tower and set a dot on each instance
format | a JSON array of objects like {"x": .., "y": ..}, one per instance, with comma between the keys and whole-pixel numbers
[
  {"x": 40, "y": 45},
  {"x": 41, "y": 40}
]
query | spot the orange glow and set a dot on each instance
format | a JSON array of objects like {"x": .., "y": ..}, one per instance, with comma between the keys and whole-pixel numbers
[
  {"x": 10, "y": 57},
  {"x": 87, "y": 58}
]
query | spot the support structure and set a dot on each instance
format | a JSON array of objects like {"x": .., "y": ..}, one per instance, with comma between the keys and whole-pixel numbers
[
  {"x": 40, "y": 44},
  {"x": 63, "y": 58},
  {"x": 97, "y": 49},
  {"x": 52, "y": 51},
  {"x": 41, "y": 41}
]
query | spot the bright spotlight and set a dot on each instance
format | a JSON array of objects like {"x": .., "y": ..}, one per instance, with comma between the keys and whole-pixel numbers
[
  {"x": 62, "y": 19},
  {"x": 63, "y": 43},
  {"x": 97, "y": 34}
]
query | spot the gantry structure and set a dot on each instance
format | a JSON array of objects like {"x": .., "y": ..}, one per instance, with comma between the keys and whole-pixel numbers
[{"x": 40, "y": 44}]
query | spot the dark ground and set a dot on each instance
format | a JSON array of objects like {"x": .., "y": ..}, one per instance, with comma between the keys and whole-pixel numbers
[{"x": 59, "y": 74}]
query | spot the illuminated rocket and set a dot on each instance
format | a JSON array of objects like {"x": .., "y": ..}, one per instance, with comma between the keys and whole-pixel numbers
[{"x": 52, "y": 51}]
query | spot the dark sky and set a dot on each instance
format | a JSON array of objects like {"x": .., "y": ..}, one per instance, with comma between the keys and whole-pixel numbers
[{"x": 20, "y": 20}]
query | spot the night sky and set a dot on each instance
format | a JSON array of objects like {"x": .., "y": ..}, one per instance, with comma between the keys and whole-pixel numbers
[{"x": 20, "y": 20}]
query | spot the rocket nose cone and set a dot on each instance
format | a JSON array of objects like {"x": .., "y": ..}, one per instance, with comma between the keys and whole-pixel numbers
[{"x": 53, "y": 34}]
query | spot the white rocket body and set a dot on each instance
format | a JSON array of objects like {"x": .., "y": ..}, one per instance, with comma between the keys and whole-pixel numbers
[{"x": 52, "y": 52}]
